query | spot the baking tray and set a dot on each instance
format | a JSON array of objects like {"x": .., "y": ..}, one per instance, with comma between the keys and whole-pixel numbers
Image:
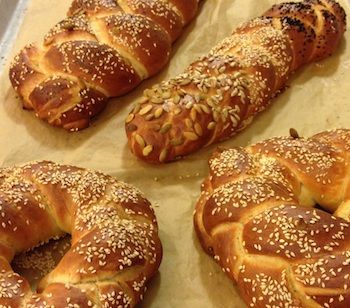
[{"x": 11, "y": 17}]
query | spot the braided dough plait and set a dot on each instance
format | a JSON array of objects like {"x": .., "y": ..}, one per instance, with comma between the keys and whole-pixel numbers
[
  {"x": 221, "y": 93},
  {"x": 115, "y": 246},
  {"x": 256, "y": 217},
  {"x": 103, "y": 49}
]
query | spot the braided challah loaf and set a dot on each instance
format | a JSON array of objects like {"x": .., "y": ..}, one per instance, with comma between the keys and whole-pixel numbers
[
  {"x": 115, "y": 246},
  {"x": 105, "y": 48},
  {"x": 220, "y": 94},
  {"x": 256, "y": 217}
]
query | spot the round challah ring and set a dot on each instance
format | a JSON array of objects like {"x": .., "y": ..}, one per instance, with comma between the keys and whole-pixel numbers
[
  {"x": 256, "y": 217},
  {"x": 115, "y": 246}
]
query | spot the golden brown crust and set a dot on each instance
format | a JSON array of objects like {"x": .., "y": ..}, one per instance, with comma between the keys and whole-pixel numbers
[
  {"x": 92, "y": 7},
  {"x": 60, "y": 295},
  {"x": 160, "y": 12},
  {"x": 94, "y": 63},
  {"x": 52, "y": 99},
  {"x": 255, "y": 217},
  {"x": 220, "y": 94},
  {"x": 105, "y": 48},
  {"x": 115, "y": 246},
  {"x": 141, "y": 37}
]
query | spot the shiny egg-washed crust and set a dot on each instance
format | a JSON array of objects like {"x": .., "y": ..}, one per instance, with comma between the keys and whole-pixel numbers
[
  {"x": 103, "y": 49},
  {"x": 256, "y": 217},
  {"x": 115, "y": 248},
  {"x": 220, "y": 94}
]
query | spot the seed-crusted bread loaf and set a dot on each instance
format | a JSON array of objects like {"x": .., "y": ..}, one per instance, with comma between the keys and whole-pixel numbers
[
  {"x": 115, "y": 248},
  {"x": 221, "y": 93},
  {"x": 103, "y": 49},
  {"x": 256, "y": 217}
]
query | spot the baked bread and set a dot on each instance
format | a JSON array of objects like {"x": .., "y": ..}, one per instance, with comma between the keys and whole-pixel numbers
[
  {"x": 256, "y": 216},
  {"x": 220, "y": 94},
  {"x": 103, "y": 49},
  {"x": 115, "y": 246}
]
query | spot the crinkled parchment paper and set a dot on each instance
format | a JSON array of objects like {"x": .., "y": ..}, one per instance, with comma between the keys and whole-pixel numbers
[{"x": 318, "y": 99}]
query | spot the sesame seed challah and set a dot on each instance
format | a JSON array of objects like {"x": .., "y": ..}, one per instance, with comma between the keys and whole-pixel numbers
[
  {"x": 115, "y": 248},
  {"x": 256, "y": 216},
  {"x": 103, "y": 49}
]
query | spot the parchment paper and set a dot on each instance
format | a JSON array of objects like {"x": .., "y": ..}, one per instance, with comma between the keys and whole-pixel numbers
[{"x": 318, "y": 99}]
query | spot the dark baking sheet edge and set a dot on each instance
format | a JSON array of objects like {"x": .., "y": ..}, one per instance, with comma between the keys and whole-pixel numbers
[{"x": 11, "y": 17}]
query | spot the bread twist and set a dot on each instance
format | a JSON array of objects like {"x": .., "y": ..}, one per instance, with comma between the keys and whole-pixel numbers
[
  {"x": 219, "y": 95},
  {"x": 105, "y": 48},
  {"x": 115, "y": 247},
  {"x": 256, "y": 216}
]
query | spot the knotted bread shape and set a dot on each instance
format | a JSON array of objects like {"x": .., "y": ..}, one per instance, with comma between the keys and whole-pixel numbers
[
  {"x": 105, "y": 48},
  {"x": 220, "y": 94},
  {"x": 256, "y": 217},
  {"x": 115, "y": 246}
]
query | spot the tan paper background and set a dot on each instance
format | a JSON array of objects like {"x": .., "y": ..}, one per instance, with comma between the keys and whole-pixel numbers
[{"x": 317, "y": 99}]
